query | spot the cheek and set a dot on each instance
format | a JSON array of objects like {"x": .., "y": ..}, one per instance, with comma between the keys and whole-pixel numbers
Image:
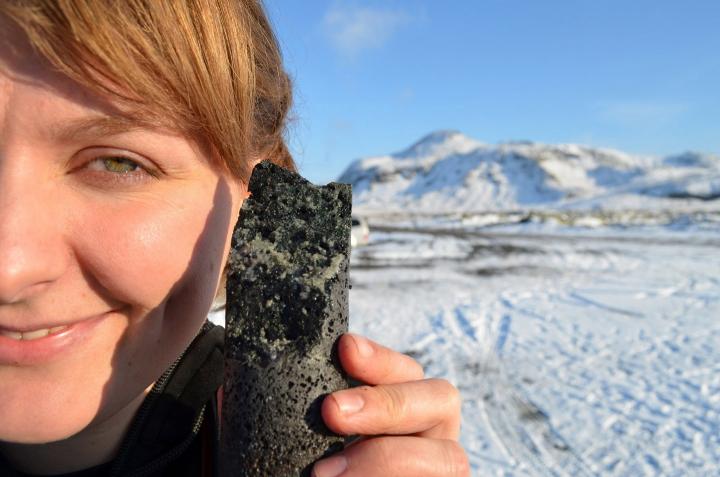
[{"x": 153, "y": 255}]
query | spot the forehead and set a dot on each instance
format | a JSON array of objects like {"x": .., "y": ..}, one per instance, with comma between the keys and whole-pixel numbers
[
  {"x": 21, "y": 64},
  {"x": 68, "y": 111},
  {"x": 23, "y": 67}
]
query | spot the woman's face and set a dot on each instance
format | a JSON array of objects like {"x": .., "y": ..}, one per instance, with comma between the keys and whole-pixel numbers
[{"x": 119, "y": 234}]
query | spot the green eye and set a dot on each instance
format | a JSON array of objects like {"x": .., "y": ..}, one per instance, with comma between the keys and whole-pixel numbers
[{"x": 119, "y": 165}]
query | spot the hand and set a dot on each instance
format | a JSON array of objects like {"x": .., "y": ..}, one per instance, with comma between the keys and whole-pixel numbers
[{"x": 410, "y": 425}]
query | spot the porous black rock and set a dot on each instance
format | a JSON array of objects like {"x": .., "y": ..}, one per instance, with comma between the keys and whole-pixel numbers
[{"x": 287, "y": 303}]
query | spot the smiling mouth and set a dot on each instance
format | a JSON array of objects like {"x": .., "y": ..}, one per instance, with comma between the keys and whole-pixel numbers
[
  {"x": 33, "y": 334},
  {"x": 25, "y": 347}
]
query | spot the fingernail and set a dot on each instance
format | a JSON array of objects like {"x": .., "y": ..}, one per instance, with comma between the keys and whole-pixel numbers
[
  {"x": 349, "y": 402},
  {"x": 330, "y": 467},
  {"x": 365, "y": 349}
]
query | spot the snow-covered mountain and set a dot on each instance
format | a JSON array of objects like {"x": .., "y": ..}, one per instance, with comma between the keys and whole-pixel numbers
[{"x": 447, "y": 171}]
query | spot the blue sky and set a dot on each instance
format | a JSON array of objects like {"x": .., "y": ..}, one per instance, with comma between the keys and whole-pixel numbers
[{"x": 372, "y": 77}]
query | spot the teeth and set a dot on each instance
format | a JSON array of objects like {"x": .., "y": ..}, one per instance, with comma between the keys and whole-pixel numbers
[
  {"x": 32, "y": 335},
  {"x": 16, "y": 335}
]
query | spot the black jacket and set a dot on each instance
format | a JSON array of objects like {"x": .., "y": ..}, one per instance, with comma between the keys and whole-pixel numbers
[{"x": 175, "y": 431}]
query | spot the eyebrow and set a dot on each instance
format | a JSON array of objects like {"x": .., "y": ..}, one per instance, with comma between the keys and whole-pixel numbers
[{"x": 93, "y": 127}]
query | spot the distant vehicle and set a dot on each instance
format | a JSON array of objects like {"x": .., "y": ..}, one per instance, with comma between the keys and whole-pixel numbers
[{"x": 360, "y": 232}]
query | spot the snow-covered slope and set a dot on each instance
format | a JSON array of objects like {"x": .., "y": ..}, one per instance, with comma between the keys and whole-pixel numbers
[{"x": 447, "y": 171}]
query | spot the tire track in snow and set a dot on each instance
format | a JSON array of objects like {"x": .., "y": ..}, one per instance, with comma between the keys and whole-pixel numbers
[
  {"x": 518, "y": 428},
  {"x": 522, "y": 428}
]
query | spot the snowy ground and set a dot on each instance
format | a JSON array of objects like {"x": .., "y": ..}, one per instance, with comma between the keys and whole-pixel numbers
[{"x": 578, "y": 351}]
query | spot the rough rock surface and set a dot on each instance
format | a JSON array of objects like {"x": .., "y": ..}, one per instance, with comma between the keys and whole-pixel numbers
[{"x": 287, "y": 303}]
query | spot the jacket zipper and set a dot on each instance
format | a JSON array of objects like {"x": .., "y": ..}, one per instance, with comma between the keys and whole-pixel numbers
[
  {"x": 139, "y": 420},
  {"x": 174, "y": 453}
]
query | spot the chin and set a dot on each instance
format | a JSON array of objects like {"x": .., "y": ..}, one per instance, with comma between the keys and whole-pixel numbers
[
  {"x": 38, "y": 411},
  {"x": 37, "y": 436},
  {"x": 22, "y": 428}
]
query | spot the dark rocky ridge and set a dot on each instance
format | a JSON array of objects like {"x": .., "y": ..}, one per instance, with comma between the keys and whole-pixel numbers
[{"x": 287, "y": 303}]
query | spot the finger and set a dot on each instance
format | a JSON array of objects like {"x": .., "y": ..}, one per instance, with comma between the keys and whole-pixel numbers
[
  {"x": 397, "y": 456},
  {"x": 372, "y": 363},
  {"x": 428, "y": 408}
]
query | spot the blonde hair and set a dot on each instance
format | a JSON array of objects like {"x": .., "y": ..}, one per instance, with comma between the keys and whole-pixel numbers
[{"x": 211, "y": 69}]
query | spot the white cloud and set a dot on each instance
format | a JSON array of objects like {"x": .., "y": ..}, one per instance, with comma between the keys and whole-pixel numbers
[
  {"x": 638, "y": 113},
  {"x": 353, "y": 29}
]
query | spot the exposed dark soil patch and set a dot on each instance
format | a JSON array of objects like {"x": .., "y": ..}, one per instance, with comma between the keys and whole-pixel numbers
[{"x": 511, "y": 270}]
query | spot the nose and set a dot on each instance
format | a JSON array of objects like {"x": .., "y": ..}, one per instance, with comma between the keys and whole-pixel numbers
[{"x": 31, "y": 251}]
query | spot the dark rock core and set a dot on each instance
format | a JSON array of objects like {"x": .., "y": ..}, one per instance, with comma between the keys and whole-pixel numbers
[{"x": 287, "y": 303}]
